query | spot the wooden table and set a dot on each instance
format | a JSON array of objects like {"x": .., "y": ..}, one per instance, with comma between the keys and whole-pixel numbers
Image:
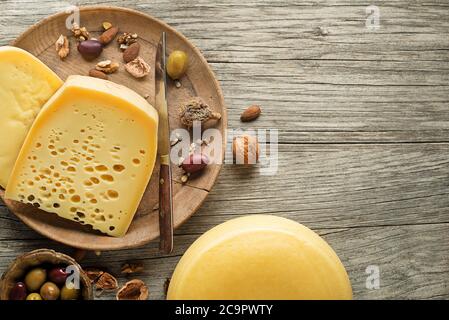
[{"x": 363, "y": 118}]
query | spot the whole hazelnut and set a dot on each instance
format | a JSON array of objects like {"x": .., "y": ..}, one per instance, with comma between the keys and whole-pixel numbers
[{"x": 245, "y": 149}]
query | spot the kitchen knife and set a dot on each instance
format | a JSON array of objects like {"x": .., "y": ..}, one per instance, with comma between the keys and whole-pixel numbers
[{"x": 165, "y": 175}]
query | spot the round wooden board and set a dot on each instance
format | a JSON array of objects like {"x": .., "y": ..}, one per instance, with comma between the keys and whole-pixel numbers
[{"x": 199, "y": 81}]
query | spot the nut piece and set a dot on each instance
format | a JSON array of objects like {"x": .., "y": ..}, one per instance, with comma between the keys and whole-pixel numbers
[
  {"x": 132, "y": 267},
  {"x": 106, "y": 25},
  {"x": 196, "y": 110},
  {"x": 80, "y": 33},
  {"x": 108, "y": 35},
  {"x": 98, "y": 74},
  {"x": 126, "y": 39},
  {"x": 184, "y": 178},
  {"x": 62, "y": 47},
  {"x": 107, "y": 66},
  {"x": 250, "y": 114},
  {"x": 245, "y": 149},
  {"x": 138, "y": 68},
  {"x": 133, "y": 290},
  {"x": 106, "y": 282},
  {"x": 132, "y": 52},
  {"x": 93, "y": 274}
]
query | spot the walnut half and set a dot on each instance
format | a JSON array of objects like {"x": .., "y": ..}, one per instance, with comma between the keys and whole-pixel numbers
[
  {"x": 132, "y": 267},
  {"x": 138, "y": 68},
  {"x": 62, "y": 47},
  {"x": 106, "y": 282},
  {"x": 107, "y": 66},
  {"x": 133, "y": 290}
]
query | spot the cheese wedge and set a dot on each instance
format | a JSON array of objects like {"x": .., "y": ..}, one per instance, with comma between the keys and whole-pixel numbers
[
  {"x": 259, "y": 258},
  {"x": 89, "y": 155},
  {"x": 25, "y": 86}
]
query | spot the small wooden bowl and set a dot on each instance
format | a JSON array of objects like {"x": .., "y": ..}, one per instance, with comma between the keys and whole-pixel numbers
[{"x": 17, "y": 270}]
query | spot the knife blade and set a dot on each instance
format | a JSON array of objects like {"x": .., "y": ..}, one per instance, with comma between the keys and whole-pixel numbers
[{"x": 165, "y": 175}]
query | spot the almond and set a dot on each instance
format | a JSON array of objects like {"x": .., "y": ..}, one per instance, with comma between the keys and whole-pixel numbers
[
  {"x": 108, "y": 35},
  {"x": 250, "y": 114},
  {"x": 131, "y": 53},
  {"x": 98, "y": 74}
]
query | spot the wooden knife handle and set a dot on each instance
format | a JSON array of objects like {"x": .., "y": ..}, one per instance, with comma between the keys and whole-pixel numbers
[{"x": 165, "y": 209}]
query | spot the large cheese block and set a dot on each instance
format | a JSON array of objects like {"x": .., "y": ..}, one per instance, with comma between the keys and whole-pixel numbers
[
  {"x": 26, "y": 84},
  {"x": 257, "y": 258},
  {"x": 89, "y": 155}
]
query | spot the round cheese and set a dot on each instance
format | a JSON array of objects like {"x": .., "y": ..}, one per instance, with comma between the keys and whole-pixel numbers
[{"x": 260, "y": 257}]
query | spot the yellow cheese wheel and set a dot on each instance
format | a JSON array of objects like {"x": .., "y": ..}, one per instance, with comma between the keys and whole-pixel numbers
[{"x": 260, "y": 257}]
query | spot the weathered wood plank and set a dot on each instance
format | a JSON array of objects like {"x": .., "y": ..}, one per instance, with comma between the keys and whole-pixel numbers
[
  {"x": 413, "y": 260},
  {"x": 335, "y": 186},
  {"x": 339, "y": 186}
]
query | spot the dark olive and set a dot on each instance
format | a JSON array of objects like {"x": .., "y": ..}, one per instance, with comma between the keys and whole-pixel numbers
[
  {"x": 69, "y": 294},
  {"x": 49, "y": 291},
  {"x": 195, "y": 163},
  {"x": 90, "y": 49},
  {"x": 57, "y": 276},
  {"x": 35, "y": 278},
  {"x": 18, "y": 292}
]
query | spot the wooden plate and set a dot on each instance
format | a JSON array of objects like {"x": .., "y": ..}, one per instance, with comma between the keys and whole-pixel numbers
[{"x": 199, "y": 81}]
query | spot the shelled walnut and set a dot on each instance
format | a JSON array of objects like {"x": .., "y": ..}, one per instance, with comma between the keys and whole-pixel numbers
[
  {"x": 107, "y": 66},
  {"x": 80, "y": 33},
  {"x": 126, "y": 39},
  {"x": 62, "y": 47}
]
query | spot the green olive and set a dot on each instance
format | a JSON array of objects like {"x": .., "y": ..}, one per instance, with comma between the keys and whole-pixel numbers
[
  {"x": 69, "y": 294},
  {"x": 34, "y": 296},
  {"x": 35, "y": 278},
  {"x": 49, "y": 291},
  {"x": 177, "y": 64}
]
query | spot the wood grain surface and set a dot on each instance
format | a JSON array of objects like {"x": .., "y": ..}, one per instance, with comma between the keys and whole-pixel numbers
[{"x": 363, "y": 132}]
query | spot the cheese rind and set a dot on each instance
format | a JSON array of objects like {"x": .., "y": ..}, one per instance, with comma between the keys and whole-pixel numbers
[
  {"x": 89, "y": 155},
  {"x": 259, "y": 258},
  {"x": 26, "y": 84}
]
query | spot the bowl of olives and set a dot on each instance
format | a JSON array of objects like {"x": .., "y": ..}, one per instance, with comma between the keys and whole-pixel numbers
[{"x": 45, "y": 275}]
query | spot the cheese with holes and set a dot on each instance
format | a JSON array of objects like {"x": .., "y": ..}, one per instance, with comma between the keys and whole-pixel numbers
[
  {"x": 89, "y": 155},
  {"x": 259, "y": 258},
  {"x": 25, "y": 86}
]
